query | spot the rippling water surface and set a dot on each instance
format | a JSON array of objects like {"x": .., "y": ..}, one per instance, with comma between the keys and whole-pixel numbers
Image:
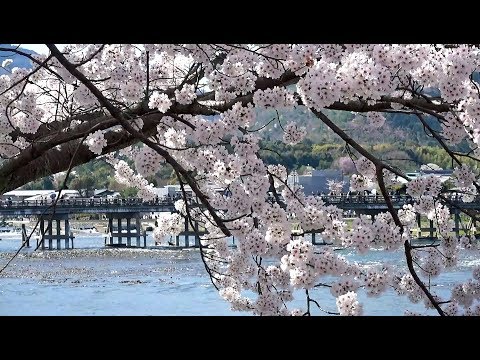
[{"x": 93, "y": 280}]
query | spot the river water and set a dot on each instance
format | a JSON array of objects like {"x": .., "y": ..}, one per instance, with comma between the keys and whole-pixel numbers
[{"x": 94, "y": 280}]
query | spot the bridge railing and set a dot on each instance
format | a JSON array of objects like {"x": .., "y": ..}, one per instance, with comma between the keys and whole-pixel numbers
[
  {"x": 169, "y": 201},
  {"x": 363, "y": 199},
  {"x": 84, "y": 202},
  {"x": 379, "y": 199}
]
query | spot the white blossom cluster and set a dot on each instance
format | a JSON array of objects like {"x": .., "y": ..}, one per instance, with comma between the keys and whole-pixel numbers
[
  {"x": 452, "y": 129},
  {"x": 367, "y": 233},
  {"x": 365, "y": 167},
  {"x": 406, "y": 285},
  {"x": 375, "y": 281},
  {"x": 278, "y": 98},
  {"x": 364, "y": 180},
  {"x": 185, "y": 95},
  {"x": 96, "y": 142},
  {"x": 463, "y": 176},
  {"x": 360, "y": 183},
  {"x": 431, "y": 264},
  {"x": 344, "y": 285},
  {"x": 174, "y": 138},
  {"x": 125, "y": 175},
  {"x": 319, "y": 88},
  {"x": 376, "y": 119},
  {"x": 147, "y": 161},
  {"x": 464, "y": 179},
  {"x": 407, "y": 216},
  {"x": 424, "y": 190},
  {"x": 464, "y": 299},
  {"x": 159, "y": 101},
  {"x": 293, "y": 134},
  {"x": 348, "y": 304},
  {"x": 335, "y": 187},
  {"x": 170, "y": 224}
]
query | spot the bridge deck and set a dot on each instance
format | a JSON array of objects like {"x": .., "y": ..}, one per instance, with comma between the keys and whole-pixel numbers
[
  {"x": 81, "y": 205},
  {"x": 98, "y": 205}
]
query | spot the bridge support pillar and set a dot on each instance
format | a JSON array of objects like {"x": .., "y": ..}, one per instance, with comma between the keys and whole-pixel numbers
[
  {"x": 431, "y": 228},
  {"x": 51, "y": 231},
  {"x": 197, "y": 238},
  {"x": 121, "y": 226},
  {"x": 25, "y": 236},
  {"x": 188, "y": 232},
  {"x": 187, "y": 240},
  {"x": 457, "y": 222},
  {"x": 419, "y": 224}
]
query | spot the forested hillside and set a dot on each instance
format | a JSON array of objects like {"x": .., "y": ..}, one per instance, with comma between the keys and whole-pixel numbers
[{"x": 404, "y": 141}]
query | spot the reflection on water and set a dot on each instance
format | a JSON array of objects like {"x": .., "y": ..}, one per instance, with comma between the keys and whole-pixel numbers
[{"x": 93, "y": 280}]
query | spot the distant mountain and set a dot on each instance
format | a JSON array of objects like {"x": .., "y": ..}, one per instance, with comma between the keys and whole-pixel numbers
[{"x": 18, "y": 60}]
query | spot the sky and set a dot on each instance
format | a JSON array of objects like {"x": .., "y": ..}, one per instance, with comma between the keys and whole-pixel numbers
[{"x": 39, "y": 48}]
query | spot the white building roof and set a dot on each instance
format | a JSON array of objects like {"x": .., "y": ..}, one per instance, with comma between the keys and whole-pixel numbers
[
  {"x": 27, "y": 192},
  {"x": 47, "y": 195}
]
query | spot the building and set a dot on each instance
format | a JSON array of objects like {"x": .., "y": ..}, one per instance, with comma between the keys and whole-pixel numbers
[
  {"x": 175, "y": 191},
  {"x": 172, "y": 191},
  {"x": 66, "y": 194},
  {"x": 317, "y": 181},
  {"x": 19, "y": 195},
  {"x": 444, "y": 175},
  {"x": 105, "y": 193},
  {"x": 16, "y": 195}
]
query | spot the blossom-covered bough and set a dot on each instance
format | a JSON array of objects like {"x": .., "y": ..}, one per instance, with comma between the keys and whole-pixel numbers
[{"x": 194, "y": 107}]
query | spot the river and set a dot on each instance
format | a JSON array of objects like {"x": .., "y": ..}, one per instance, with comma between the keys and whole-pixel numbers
[{"x": 93, "y": 280}]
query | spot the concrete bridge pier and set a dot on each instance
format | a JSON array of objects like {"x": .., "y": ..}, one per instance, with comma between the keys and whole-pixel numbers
[
  {"x": 25, "y": 237},
  {"x": 124, "y": 226},
  {"x": 188, "y": 231},
  {"x": 456, "y": 215},
  {"x": 52, "y": 234},
  {"x": 196, "y": 232}
]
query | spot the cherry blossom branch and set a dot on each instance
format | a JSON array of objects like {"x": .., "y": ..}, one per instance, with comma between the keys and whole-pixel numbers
[
  {"x": 379, "y": 166},
  {"x": 28, "y": 56},
  {"x": 26, "y": 76},
  {"x": 309, "y": 300},
  {"x": 43, "y": 158},
  {"x": 95, "y": 53},
  {"x": 443, "y": 145},
  {"x": 117, "y": 114},
  {"x": 419, "y": 282}
]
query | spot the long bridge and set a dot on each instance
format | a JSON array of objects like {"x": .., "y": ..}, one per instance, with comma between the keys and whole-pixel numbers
[
  {"x": 123, "y": 218},
  {"x": 124, "y": 214},
  {"x": 377, "y": 203},
  {"x": 360, "y": 204},
  {"x": 82, "y": 206}
]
